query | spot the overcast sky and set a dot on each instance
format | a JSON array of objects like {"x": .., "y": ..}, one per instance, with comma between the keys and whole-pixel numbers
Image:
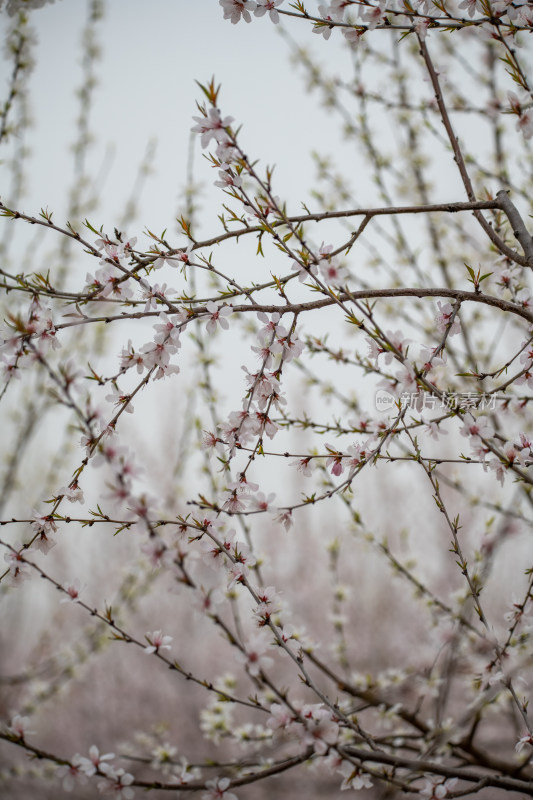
[{"x": 151, "y": 57}]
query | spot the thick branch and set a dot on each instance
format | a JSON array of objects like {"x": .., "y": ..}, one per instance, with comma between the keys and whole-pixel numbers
[{"x": 519, "y": 229}]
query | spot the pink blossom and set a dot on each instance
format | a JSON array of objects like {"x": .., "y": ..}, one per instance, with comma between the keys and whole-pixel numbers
[
  {"x": 235, "y": 9},
  {"x": 237, "y": 573},
  {"x": 304, "y": 272},
  {"x": 47, "y": 336},
  {"x": 372, "y": 15},
  {"x": 523, "y": 296},
  {"x": 142, "y": 506},
  {"x": 158, "y": 354},
  {"x": 334, "y": 461},
  {"x": 267, "y": 352},
  {"x": 304, "y": 465},
  {"x": 73, "y": 592},
  {"x": 72, "y": 774},
  {"x": 184, "y": 773},
  {"x": 406, "y": 381},
  {"x": 19, "y": 570},
  {"x": 156, "y": 549},
  {"x": 40, "y": 325},
  {"x": 153, "y": 294},
  {"x": 290, "y": 634},
  {"x": 511, "y": 454},
  {"x": 357, "y": 455},
  {"x": 324, "y": 30},
  {"x": 437, "y": 791},
  {"x": 218, "y": 314},
  {"x": 526, "y": 356},
  {"x": 243, "y": 555},
  {"x": 261, "y": 502},
  {"x": 157, "y": 641},
  {"x": 129, "y": 358},
  {"x": 515, "y": 614},
  {"x": 227, "y": 178},
  {"x": 264, "y": 387},
  {"x": 114, "y": 252},
  {"x": 103, "y": 242},
  {"x": 239, "y": 421},
  {"x": 496, "y": 466},
  {"x": 229, "y": 435},
  {"x": 120, "y": 401},
  {"x": 333, "y": 273},
  {"x": 525, "y": 443},
  {"x": 170, "y": 329},
  {"x": 109, "y": 282},
  {"x": 211, "y": 525},
  {"x": 268, "y": 5},
  {"x": 19, "y": 726},
  {"x": 44, "y": 542},
  {"x": 374, "y": 348},
  {"x": 255, "y": 656},
  {"x": 173, "y": 259},
  {"x": 226, "y": 153},
  {"x": 443, "y": 319},
  {"x": 426, "y": 6},
  {"x": 421, "y": 26},
  {"x": 209, "y": 601},
  {"x": 163, "y": 756},
  {"x": 267, "y": 604},
  {"x": 116, "y": 783},
  {"x": 10, "y": 367},
  {"x": 514, "y": 102},
  {"x": 218, "y": 790},
  {"x": 479, "y": 450},
  {"x": 212, "y": 126},
  {"x": 128, "y": 243},
  {"x": 430, "y": 360},
  {"x": 235, "y": 502},
  {"x": 120, "y": 491},
  {"x": 353, "y": 35},
  {"x": 264, "y": 423},
  {"x": 43, "y": 523},
  {"x": 224, "y": 543},
  {"x": 354, "y": 777},
  {"x": 523, "y": 741},
  {"x": 271, "y": 327},
  {"x": 319, "y": 729},
  {"x": 108, "y": 450},
  {"x": 72, "y": 493},
  {"x": 280, "y": 717},
  {"x": 209, "y": 440},
  {"x": 243, "y": 559},
  {"x": 477, "y": 427},
  {"x": 292, "y": 348},
  {"x": 265, "y": 206},
  {"x": 332, "y": 761},
  {"x": 521, "y": 13},
  {"x": 285, "y": 518},
  {"x": 337, "y": 9},
  {"x": 525, "y": 377},
  {"x": 397, "y": 340},
  {"x": 433, "y": 429},
  {"x": 471, "y": 6}
]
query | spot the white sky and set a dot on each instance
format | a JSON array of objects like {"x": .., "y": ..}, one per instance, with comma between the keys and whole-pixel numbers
[{"x": 151, "y": 58}]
